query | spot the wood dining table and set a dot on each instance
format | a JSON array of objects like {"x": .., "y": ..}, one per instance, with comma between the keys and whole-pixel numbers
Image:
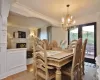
[{"x": 59, "y": 59}]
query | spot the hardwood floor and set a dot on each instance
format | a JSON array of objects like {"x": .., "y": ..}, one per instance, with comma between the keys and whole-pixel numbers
[
  {"x": 22, "y": 74},
  {"x": 28, "y": 75}
]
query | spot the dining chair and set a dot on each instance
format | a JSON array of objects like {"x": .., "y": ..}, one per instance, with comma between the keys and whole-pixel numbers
[
  {"x": 43, "y": 70},
  {"x": 73, "y": 70},
  {"x": 47, "y": 44},
  {"x": 83, "y": 56},
  {"x": 50, "y": 46},
  {"x": 54, "y": 45},
  {"x": 72, "y": 44}
]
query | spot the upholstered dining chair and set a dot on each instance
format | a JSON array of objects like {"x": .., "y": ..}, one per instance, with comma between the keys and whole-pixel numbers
[
  {"x": 73, "y": 70},
  {"x": 47, "y": 44},
  {"x": 50, "y": 46},
  {"x": 54, "y": 45},
  {"x": 43, "y": 70}
]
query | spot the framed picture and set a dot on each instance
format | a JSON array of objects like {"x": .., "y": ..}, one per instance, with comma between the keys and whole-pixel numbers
[{"x": 21, "y": 34}]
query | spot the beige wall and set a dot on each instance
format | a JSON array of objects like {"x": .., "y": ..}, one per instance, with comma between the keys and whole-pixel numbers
[
  {"x": 11, "y": 30},
  {"x": 28, "y": 40},
  {"x": 58, "y": 34},
  {"x": 12, "y": 41}
]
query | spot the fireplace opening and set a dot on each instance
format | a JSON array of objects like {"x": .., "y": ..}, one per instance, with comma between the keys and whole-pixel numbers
[{"x": 21, "y": 45}]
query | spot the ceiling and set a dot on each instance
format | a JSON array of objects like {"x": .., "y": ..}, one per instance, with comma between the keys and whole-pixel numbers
[
  {"x": 22, "y": 21},
  {"x": 41, "y": 13},
  {"x": 57, "y": 8}
]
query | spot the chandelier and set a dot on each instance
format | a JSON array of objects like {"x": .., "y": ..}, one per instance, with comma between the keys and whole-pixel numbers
[{"x": 68, "y": 20}]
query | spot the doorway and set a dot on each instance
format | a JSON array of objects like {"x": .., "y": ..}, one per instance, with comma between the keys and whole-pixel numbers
[{"x": 85, "y": 31}]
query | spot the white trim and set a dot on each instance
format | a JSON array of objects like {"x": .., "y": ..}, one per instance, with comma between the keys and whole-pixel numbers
[
  {"x": 17, "y": 70},
  {"x": 13, "y": 71}
]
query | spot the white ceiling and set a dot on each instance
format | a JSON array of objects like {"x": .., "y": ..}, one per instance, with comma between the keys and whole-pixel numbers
[
  {"x": 42, "y": 13},
  {"x": 57, "y": 8},
  {"x": 22, "y": 21}
]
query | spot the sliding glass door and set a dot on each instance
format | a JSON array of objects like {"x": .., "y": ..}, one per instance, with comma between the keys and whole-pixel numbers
[{"x": 86, "y": 31}]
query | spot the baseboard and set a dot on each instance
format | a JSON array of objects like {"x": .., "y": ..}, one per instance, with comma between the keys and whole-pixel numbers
[
  {"x": 2, "y": 76},
  {"x": 17, "y": 70},
  {"x": 13, "y": 71}
]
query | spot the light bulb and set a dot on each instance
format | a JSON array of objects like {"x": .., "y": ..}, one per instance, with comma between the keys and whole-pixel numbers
[{"x": 68, "y": 20}]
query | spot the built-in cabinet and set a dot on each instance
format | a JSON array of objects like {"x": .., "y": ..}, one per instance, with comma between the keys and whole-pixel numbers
[{"x": 16, "y": 60}]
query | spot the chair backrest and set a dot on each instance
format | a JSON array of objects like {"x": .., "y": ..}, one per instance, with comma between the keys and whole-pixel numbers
[
  {"x": 47, "y": 44},
  {"x": 55, "y": 44},
  {"x": 36, "y": 41},
  {"x": 77, "y": 55},
  {"x": 72, "y": 44},
  {"x": 83, "y": 50},
  {"x": 41, "y": 61},
  {"x": 50, "y": 46}
]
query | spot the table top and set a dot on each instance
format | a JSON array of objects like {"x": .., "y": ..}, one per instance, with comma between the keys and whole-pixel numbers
[
  {"x": 58, "y": 54},
  {"x": 58, "y": 58}
]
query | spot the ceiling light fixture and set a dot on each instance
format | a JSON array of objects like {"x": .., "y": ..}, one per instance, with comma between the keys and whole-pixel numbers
[{"x": 68, "y": 20}]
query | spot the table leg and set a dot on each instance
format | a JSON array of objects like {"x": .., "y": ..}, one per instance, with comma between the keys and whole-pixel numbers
[{"x": 58, "y": 73}]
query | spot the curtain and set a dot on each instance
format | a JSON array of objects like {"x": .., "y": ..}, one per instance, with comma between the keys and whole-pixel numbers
[
  {"x": 49, "y": 33},
  {"x": 39, "y": 32}
]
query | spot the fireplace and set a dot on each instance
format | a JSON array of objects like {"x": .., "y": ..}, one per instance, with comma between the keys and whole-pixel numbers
[{"x": 21, "y": 45}]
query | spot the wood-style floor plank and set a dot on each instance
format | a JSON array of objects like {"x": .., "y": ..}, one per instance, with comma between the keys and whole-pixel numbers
[{"x": 18, "y": 75}]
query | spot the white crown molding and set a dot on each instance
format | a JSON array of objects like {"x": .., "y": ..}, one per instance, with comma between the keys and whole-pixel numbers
[{"x": 28, "y": 12}]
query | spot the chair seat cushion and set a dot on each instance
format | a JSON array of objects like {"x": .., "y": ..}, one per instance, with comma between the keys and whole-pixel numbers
[
  {"x": 51, "y": 73},
  {"x": 66, "y": 69},
  {"x": 50, "y": 67}
]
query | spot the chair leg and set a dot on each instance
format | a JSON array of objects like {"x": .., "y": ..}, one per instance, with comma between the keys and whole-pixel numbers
[
  {"x": 80, "y": 73},
  {"x": 83, "y": 68},
  {"x": 72, "y": 77}
]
